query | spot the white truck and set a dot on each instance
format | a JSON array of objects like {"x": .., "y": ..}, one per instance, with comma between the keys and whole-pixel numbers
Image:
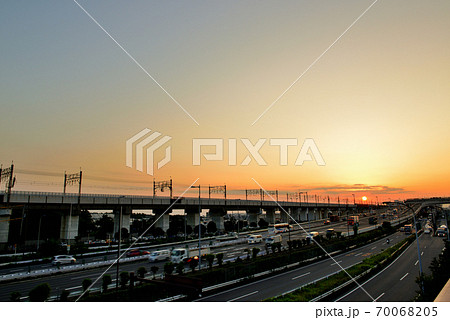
[
  {"x": 273, "y": 239},
  {"x": 187, "y": 254}
]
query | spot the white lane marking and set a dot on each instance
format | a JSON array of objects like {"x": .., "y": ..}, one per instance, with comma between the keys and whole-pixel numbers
[
  {"x": 73, "y": 288},
  {"x": 335, "y": 263},
  {"x": 302, "y": 275},
  {"x": 15, "y": 270},
  {"x": 373, "y": 248},
  {"x": 358, "y": 254},
  {"x": 404, "y": 276},
  {"x": 379, "y": 297},
  {"x": 416, "y": 263},
  {"x": 80, "y": 277},
  {"x": 245, "y": 295},
  {"x": 421, "y": 253}
]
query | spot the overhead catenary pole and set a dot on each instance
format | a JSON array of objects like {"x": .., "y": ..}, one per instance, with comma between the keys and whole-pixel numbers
[
  {"x": 8, "y": 174},
  {"x": 162, "y": 186},
  {"x": 10, "y": 182},
  {"x": 79, "y": 187},
  {"x": 65, "y": 182},
  {"x": 154, "y": 188}
]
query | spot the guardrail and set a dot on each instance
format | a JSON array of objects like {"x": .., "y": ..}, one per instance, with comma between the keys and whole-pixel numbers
[{"x": 69, "y": 268}]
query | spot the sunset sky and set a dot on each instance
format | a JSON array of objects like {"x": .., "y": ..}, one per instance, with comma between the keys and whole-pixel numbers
[{"x": 377, "y": 103}]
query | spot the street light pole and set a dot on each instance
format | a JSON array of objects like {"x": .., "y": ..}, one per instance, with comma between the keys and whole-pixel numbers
[
  {"x": 199, "y": 229},
  {"x": 118, "y": 245},
  {"x": 39, "y": 233},
  {"x": 199, "y": 232},
  {"x": 307, "y": 212}
]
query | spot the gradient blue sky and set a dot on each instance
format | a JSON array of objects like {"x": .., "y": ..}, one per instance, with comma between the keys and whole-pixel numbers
[{"x": 377, "y": 104}]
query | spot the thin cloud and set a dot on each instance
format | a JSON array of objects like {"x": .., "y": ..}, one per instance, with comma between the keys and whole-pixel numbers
[{"x": 358, "y": 187}]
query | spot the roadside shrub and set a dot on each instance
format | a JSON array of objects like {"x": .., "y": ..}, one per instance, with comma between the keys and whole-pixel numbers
[
  {"x": 255, "y": 252},
  {"x": 193, "y": 264},
  {"x": 168, "y": 268},
  {"x": 141, "y": 271},
  {"x": 106, "y": 281},
  {"x": 64, "y": 297},
  {"x": 124, "y": 278},
  {"x": 40, "y": 293},
  {"x": 180, "y": 268},
  {"x": 210, "y": 260},
  {"x": 154, "y": 270},
  {"x": 86, "y": 283},
  {"x": 219, "y": 257},
  {"x": 15, "y": 296}
]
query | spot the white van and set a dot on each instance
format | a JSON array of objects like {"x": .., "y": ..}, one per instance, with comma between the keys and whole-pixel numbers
[
  {"x": 159, "y": 255},
  {"x": 255, "y": 238}
]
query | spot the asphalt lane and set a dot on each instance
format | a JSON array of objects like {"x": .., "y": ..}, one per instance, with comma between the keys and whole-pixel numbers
[
  {"x": 397, "y": 281},
  {"x": 293, "y": 279}
]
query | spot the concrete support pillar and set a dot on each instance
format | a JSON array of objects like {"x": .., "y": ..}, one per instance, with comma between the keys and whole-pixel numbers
[
  {"x": 315, "y": 214},
  {"x": 69, "y": 227},
  {"x": 295, "y": 214},
  {"x": 270, "y": 215},
  {"x": 126, "y": 214},
  {"x": 163, "y": 218},
  {"x": 192, "y": 217},
  {"x": 216, "y": 216},
  {"x": 303, "y": 216},
  {"x": 5, "y": 215},
  {"x": 284, "y": 217},
  {"x": 253, "y": 216}
]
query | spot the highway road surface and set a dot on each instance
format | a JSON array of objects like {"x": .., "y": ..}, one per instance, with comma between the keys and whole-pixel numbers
[
  {"x": 291, "y": 280},
  {"x": 72, "y": 281},
  {"x": 397, "y": 282}
]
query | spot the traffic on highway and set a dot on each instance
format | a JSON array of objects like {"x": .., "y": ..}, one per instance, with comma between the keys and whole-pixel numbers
[{"x": 238, "y": 247}]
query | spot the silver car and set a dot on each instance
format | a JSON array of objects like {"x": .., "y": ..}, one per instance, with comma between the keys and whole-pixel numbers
[{"x": 58, "y": 260}]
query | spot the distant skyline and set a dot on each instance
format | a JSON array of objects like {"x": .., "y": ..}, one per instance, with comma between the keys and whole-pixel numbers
[{"x": 376, "y": 103}]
